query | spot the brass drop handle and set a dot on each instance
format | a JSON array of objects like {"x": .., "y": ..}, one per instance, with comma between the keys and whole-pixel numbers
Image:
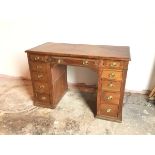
[
  {"x": 36, "y": 58},
  {"x": 40, "y": 76},
  {"x": 112, "y": 75},
  {"x": 109, "y": 98},
  {"x": 109, "y": 110},
  {"x": 114, "y": 64},
  {"x": 85, "y": 62},
  {"x": 41, "y": 86},
  {"x": 110, "y": 85},
  {"x": 43, "y": 98}
]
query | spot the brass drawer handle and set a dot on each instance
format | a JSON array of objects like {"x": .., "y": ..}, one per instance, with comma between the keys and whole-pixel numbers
[
  {"x": 60, "y": 61},
  {"x": 109, "y": 98},
  {"x": 110, "y": 85},
  {"x": 114, "y": 64},
  {"x": 112, "y": 75},
  {"x": 40, "y": 76},
  {"x": 41, "y": 86},
  {"x": 36, "y": 58},
  {"x": 108, "y": 110},
  {"x": 85, "y": 62},
  {"x": 43, "y": 98}
]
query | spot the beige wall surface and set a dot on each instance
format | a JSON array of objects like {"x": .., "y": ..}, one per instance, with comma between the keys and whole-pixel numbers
[{"x": 25, "y": 24}]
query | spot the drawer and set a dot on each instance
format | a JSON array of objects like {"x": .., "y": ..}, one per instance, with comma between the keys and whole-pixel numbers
[
  {"x": 39, "y": 76},
  {"x": 75, "y": 61},
  {"x": 110, "y": 98},
  {"x": 109, "y": 110},
  {"x": 112, "y": 75},
  {"x": 113, "y": 64},
  {"x": 111, "y": 85},
  {"x": 38, "y": 66},
  {"x": 42, "y": 97},
  {"x": 41, "y": 87},
  {"x": 37, "y": 58}
]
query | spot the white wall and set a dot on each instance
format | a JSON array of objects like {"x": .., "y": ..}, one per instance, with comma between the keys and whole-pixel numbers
[{"x": 27, "y": 23}]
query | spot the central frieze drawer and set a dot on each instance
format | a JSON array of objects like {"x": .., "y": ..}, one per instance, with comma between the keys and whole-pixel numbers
[{"x": 75, "y": 61}]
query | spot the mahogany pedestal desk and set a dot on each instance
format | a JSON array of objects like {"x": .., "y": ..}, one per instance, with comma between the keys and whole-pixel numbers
[{"x": 48, "y": 68}]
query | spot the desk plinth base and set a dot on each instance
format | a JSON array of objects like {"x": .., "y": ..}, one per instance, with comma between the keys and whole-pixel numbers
[{"x": 119, "y": 120}]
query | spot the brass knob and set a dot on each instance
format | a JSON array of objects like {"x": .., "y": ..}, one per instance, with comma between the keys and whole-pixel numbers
[
  {"x": 60, "y": 61},
  {"x": 36, "y": 58},
  {"x": 113, "y": 64},
  {"x": 43, "y": 98},
  {"x": 109, "y": 110},
  {"x": 109, "y": 98},
  {"x": 85, "y": 62},
  {"x": 110, "y": 85},
  {"x": 40, "y": 76},
  {"x": 41, "y": 86},
  {"x": 112, "y": 75}
]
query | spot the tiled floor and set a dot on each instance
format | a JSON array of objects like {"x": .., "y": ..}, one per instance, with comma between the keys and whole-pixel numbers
[{"x": 73, "y": 115}]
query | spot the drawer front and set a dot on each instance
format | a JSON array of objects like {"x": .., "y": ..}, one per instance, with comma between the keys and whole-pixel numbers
[
  {"x": 75, "y": 61},
  {"x": 38, "y": 58},
  {"x": 42, "y": 97},
  {"x": 109, "y": 110},
  {"x": 38, "y": 66},
  {"x": 41, "y": 87},
  {"x": 39, "y": 76},
  {"x": 111, "y": 85},
  {"x": 110, "y": 98},
  {"x": 112, "y": 64},
  {"x": 112, "y": 75}
]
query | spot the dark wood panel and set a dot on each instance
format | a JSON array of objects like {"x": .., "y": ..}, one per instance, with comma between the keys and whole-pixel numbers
[
  {"x": 57, "y": 71},
  {"x": 83, "y": 87},
  {"x": 60, "y": 87}
]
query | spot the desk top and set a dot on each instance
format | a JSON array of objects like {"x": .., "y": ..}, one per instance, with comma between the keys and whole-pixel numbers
[{"x": 83, "y": 50}]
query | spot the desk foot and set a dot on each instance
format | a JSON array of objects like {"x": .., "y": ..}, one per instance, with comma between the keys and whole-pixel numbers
[{"x": 109, "y": 118}]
